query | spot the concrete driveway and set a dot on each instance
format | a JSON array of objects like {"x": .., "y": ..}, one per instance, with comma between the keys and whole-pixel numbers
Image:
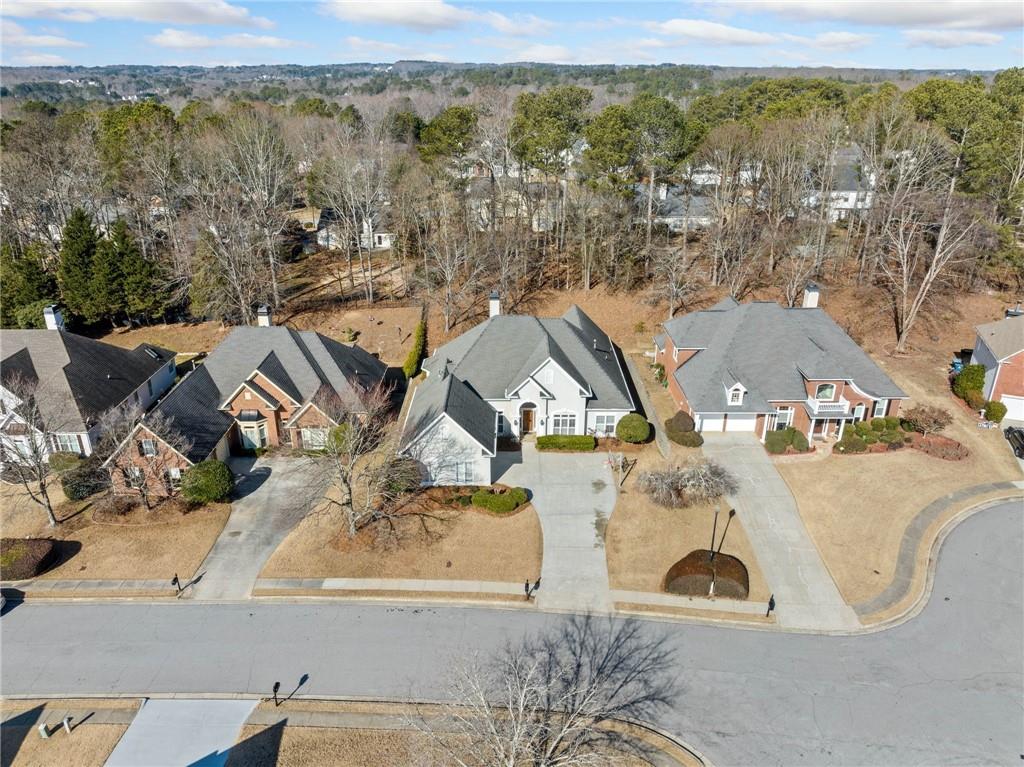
[
  {"x": 272, "y": 495},
  {"x": 806, "y": 597},
  {"x": 574, "y": 495}
]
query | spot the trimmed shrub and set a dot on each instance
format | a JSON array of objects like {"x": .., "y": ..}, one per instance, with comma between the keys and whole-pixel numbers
[
  {"x": 207, "y": 482},
  {"x": 895, "y": 445},
  {"x": 870, "y": 439},
  {"x": 83, "y": 480},
  {"x": 892, "y": 423},
  {"x": 678, "y": 425},
  {"x": 799, "y": 442},
  {"x": 61, "y": 462},
  {"x": 889, "y": 437},
  {"x": 877, "y": 424},
  {"x": 419, "y": 348},
  {"x": 567, "y": 442},
  {"x": 971, "y": 378},
  {"x": 995, "y": 411},
  {"x": 927, "y": 419},
  {"x": 22, "y": 558},
  {"x": 862, "y": 427},
  {"x": 633, "y": 428},
  {"x": 688, "y": 439},
  {"x": 775, "y": 442},
  {"x": 946, "y": 449},
  {"x": 519, "y": 495},
  {"x": 850, "y": 443},
  {"x": 975, "y": 399},
  {"x": 499, "y": 503},
  {"x": 659, "y": 372}
]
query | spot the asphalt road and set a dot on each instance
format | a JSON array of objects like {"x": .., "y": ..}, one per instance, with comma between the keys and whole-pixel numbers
[{"x": 944, "y": 688}]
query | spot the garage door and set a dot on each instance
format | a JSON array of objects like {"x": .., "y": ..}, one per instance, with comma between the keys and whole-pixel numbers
[
  {"x": 740, "y": 422},
  {"x": 711, "y": 422},
  {"x": 1014, "y": 407}
]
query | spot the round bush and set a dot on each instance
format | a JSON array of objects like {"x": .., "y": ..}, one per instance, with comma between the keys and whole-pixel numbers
[
  {"x": 892, "y": 423},
  {"x": 800, "y": 442},
  {"x": 680, "y": 422},
  {"x": 851, "y": 444},
  {"x": 633, "y": 428},
  {"x": 687, "y": 438},
  {"x": 870, "y": 439},
  {"x": 22, "y": 558},
  {"x": 995, "y": 411},
  {"x": 971, "y": 378},
  {"x": 877, "y": 424},
  {"x": 889, "y": 437},
  {"x": 776, "y": 443},
  {"x": 84, "y": 479},
  {"x": 207, "y": 482},
  {"x": 862, "y": 427}
]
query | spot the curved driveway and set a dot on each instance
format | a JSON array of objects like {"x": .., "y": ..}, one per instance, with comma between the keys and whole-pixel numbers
[{"x": 944, "y": 688}]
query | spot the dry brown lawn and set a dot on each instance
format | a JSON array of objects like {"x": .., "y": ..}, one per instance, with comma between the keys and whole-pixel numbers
[
  {"x": 140, "y": 546},
  {"x": 383, "y": 330},
  {"x": 470, "y": 545},
  {"x": 644, "y": 540},
  {"x": 89, "y": 745},
  {"x": 857, "y": 507}
]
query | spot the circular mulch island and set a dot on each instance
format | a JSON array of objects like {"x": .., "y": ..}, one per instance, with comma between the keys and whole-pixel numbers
[{"x": 692, "y": 575}]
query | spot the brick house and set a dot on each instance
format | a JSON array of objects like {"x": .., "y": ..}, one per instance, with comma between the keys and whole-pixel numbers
[
  {"x": 259, "y": 388},
  {"x": 759, "y": 366},
  {"x": 1000, "y": 348}
]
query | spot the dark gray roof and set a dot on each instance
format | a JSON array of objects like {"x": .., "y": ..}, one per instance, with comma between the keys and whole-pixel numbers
[
  {"x": 442, "y": 393},
  {"x": 678, "y": 202},
  {"x": 301, "y": 363},
  {"x": 770, "y": 350},
  {"x": 497, "y": 355},
  {"x": 83, "y": 377}
]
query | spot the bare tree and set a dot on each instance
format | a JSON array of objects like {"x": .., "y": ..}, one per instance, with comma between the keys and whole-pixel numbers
[
  {"x": 928, "y": 419},
  {"x": 675, "y": 280},
  {"x": 697, "y": 481},
  {"x": 452, "y": 266},
  {"x": 558, "y": 699}
]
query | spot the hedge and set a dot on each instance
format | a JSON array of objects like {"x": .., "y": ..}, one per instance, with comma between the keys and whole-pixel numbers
[
  {"x": 971, "y": 378},
  {"x": 633, "y": 428},
  {"x": 62, "y": 461},
  {"x": 500, "y": 503},
  {"x": 799, "y": 442},
  {"x": 775, "y": 442},
  {"x": 877, "y": 424},
  {"x": 892, "y": 423},
  {"x": 995, "y": 411},
  {"x": 687, "y": 438},
  {"x": 567, "y": 442},
  {"x": 851, "y": 443},
  {"x": 418, "y": 350},
  {"x": 207, "y": 482},
  {"x": 84, "y": 479},
  {"x": 975, "y": 399}
]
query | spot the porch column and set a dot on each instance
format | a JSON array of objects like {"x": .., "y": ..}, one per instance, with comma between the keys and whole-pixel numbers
[
  {"x": 810, "y": 434},
  {"x": 842, "y": 426}
]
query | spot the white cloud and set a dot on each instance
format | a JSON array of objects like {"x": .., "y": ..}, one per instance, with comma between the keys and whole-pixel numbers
[
  {"x": 15, "y": 36},
  {"x": 539, "y": 52},
  {"x": 217, "y": 12},
  {"x": 380, "y": 50},
  {"x": 711, "y": 32},
  {"x": 39, "y": 60},
  {"x": 179, "y": 38},
  {"x": 833, "y": 41},
  {"x": 432, "y": 15},
  {"x": 949, "y": 38},
  {"x": 950, "y": 14}
]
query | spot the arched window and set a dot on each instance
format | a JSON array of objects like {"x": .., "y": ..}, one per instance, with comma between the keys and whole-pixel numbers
[
  {"x": 736, "y": 395},
  {"x": 825, "y": 392}
]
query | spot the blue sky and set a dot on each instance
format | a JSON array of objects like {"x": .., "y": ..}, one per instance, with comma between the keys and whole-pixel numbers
[{"x": 924, "y": 34}]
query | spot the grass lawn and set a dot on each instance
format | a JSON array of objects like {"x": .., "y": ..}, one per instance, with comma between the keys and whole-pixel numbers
[
  {"x": 644, "y": 540},
  {"x": 89, "y": 745},
  {"x": 140, "y": 546},
  {"x": 469, "y": 545},
  {"x": 857, "y": 507}
]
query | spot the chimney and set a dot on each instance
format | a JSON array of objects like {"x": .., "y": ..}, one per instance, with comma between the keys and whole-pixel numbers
[
  {"x": 811, "y": 293},
  {"x": 662, "y": 191},
  {"x": 263, "y": 316},
  {"x": 493, "y": 304},
  {"x": 53, "y": 318},
  {"x": 1017, "y": 311}
]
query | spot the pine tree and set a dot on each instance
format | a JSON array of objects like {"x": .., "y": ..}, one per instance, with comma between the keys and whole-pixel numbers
[
  {"x": 144, "y": 294},
  {"x": 25, "y": 281},
  {"x": 107, "y": 279},
  {"x": 74, "y": 272}
]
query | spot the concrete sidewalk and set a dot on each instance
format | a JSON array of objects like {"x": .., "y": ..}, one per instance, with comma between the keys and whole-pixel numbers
[
  {"x": 273, "y": 495},
  {"x": 806, "y": 596},
  {"x": 389, "y": 584},
  {"x": 574, "y": 495}
]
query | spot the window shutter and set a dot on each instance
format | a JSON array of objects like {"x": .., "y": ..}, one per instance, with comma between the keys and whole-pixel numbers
[{"x": 138, "y": 446}]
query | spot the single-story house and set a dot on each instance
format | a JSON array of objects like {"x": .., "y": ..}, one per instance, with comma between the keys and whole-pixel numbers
[
  {"x": 512, "y": 376},
  {"x": 74, "y": 380},
  {"x": 262, "y": 386},
  {"x": 760, "y": 366},
  {"x": 1000, "y": 348}
]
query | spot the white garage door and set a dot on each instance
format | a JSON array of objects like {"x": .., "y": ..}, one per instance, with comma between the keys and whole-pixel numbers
[
  {"x": 741, "y": 422},
  {"x": 711, "y": 422},
  {"x": 1014, "y": 407}
]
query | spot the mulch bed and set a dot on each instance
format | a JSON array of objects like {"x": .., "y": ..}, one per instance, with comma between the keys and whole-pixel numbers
[
  {"x": 22, "y": 558},
  {"x": 617, "y": 445},
  {"x": 934, "y": 445},
  {"x": 692, "y": 575}
]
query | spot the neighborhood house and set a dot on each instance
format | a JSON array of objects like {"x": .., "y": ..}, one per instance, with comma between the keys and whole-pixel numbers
[
  {"x": 1000, "y": 348},
  {"x": 760, "y": 366},
  {"x": 512, "y": 376},
  {"x": 73, "y": 380},
  {"x": 261, "y": 387}
]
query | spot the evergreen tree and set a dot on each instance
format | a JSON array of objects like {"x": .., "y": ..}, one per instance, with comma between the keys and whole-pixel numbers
[
  {"x": 74, "y": 272},
  {"x": 25, "y": 281},
  {"x": 144, "y": 294},
  {"x": 107, "y": 279}
]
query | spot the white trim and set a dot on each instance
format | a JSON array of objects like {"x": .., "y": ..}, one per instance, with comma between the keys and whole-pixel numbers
[
  {"x": 245, "y": 385},
  {"x": 622, "y": 374},
  {"x": 301, "y": 410},
  {"x": 586, "y": 389},
  {"x": 139, "y": 425}
]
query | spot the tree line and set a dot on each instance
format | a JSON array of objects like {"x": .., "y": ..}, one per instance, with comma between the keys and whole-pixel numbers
[{"x": 516, "y": 190}]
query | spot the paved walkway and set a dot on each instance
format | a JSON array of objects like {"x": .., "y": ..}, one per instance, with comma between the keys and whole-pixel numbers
[
  {"x": 902, "y": 580},
  {"x": 574, "y": 495},
  {"x": 806, "y": 597},
  {"x": 179, "y": 732},
  {"x": 389, "y": 584},
  {"x": 660, "y": 438},
  {"x": 273, "y": 495}
]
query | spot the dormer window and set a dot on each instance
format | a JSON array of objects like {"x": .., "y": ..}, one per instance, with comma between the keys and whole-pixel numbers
[
  {"x": 825, "y": 392},
  {"x": 736, "y": 395}
]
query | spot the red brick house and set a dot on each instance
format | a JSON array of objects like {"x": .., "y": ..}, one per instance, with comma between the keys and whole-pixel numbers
[
  {"x": 759, "y": 366},
  {"x": 1000, "y": 348},
  {"x": 259, "y": 388}
]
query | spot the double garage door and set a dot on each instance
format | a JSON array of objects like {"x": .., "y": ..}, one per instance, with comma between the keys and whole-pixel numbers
[
  {"x": 728, "y": 422},
  {"x": 1014, "y": 407}
]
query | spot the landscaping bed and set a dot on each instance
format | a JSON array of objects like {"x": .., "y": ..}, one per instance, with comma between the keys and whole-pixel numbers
[{"x": 24, "y": 558}]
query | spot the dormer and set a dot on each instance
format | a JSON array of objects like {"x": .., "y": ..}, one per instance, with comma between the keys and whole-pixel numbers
[{"x": 734, "y": 394}]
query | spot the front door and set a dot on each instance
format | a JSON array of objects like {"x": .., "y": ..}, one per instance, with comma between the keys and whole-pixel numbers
[{"x": 527, "y": 421}]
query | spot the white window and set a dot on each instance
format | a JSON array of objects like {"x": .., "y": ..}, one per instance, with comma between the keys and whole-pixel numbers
[
  {"x": 465, "y": 472},
  {"x": 604, "y": 424},
  {"x": 67, "y": 443},
  {"x": 736, "y": 396},
  {"x": 133, "y": 476},
  {"x": 880, "y": 407},
  {"x": 148, "y": 447},
  {"x": 783, "y": 418},
  {"x": 825, "y": 392},
  {"x": 563, "y": 423},
  {"x": 501, "y": 424},
  {"x": 173, "y": 478},
  {"x": 858, "y": 412},
  {"x": 314, "y": 439}
]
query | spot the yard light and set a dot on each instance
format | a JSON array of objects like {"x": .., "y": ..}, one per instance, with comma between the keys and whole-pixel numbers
[
  {"x": 714, "y": 529},
  {"x": 732, "y": 513}
]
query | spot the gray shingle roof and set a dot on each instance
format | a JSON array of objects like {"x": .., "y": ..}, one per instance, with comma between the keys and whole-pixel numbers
[
  {"x": 1005, "y": 337},
  {"x": 301, "y": 363},
  {"x": 441, "y": 393},
  {"x": 84, "y": 377},
  {"x": 770, "y": 350},
  {"x": 497, "y": 355}
]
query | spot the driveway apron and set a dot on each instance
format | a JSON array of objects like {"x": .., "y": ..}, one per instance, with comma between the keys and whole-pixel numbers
[
  {"x": 574, "y": 495},
  {"x": 806, "y": 597},
  {"x": 273, "y": 494}
]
